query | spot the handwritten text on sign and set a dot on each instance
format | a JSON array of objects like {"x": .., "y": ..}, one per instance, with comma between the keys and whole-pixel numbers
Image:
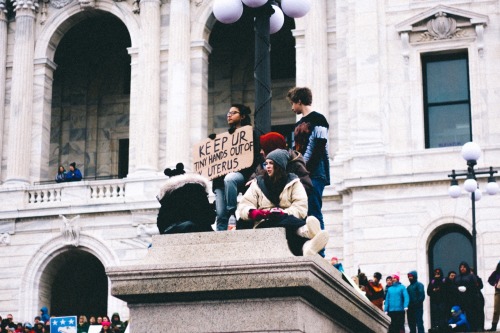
[{"x": 226, "y": 153}]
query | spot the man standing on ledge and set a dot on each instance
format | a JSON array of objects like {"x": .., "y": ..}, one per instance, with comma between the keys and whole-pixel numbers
[
  {"x": 311, "y": 140},
  {"x": 74, "y": 174}
]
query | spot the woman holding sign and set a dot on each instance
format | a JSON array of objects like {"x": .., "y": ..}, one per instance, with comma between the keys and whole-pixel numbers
[
  {"x": 227, "y": 187},
  {"x": 278, "y": 199}
]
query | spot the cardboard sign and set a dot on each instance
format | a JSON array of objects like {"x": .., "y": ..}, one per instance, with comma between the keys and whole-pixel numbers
[{"x": 226, "y": 153}]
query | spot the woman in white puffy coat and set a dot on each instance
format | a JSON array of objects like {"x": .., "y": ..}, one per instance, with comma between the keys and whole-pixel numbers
[{"x": 278, "y": 199}]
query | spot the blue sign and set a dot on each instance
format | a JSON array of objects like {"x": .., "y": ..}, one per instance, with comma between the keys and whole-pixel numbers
[{"x": 63, "y": 324}]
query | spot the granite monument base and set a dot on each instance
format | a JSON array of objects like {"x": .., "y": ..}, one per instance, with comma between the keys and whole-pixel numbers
[{"x": 239, "y": 281}]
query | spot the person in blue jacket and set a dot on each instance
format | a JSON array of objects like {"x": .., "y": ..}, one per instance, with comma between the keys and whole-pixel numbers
[
  {"x": 74, "y": 174},
  {"x": 458, "y": 321},
  {"x": 415, "y": 313},
  {"x": 396, "y": 303}
]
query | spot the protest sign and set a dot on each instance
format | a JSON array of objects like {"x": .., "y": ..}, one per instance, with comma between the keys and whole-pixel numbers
[
  {"x": 224, "y": 154},
  {"x": 63, "y": 324}
]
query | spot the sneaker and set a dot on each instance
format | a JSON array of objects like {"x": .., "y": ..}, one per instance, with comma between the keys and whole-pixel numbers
[
  {"x": 313, "y": 226},
  {"x": 315, "y": 245}
]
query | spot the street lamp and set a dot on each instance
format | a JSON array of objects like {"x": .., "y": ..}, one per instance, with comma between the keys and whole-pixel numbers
[
  {"x": 471, "y": 153},
  {"x": 269, "y": 19}
]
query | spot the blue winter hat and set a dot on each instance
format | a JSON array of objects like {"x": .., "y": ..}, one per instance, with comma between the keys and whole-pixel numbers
[{"x": 455, "y": 308}]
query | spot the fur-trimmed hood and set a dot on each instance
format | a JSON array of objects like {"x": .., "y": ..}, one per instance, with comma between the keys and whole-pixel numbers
[{"x": 176, "y": 182}]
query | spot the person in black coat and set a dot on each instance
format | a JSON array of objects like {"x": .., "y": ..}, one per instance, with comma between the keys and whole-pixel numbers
[
  {"x": 184, "y": 203},
  {"x": 436, "y": 290},
  {"x": 466, "y": 285}
]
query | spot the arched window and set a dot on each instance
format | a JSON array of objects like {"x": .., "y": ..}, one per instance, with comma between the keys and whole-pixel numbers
[{"x": 450, "y": 246}]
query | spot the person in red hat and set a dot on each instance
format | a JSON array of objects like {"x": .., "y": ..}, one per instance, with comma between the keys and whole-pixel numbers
[{"x": 296, "y": 163}]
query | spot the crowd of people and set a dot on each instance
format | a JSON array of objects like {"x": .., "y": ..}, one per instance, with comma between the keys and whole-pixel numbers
[
  {"x": 73, "y": 175},
  {"x": 41, "y": 324},
  {"x": 456, "y": 301},
  {"x": 282, "y": 188}
]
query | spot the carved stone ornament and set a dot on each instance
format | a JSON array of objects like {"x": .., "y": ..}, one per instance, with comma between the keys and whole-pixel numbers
[
  {"x": 60, "y": 3},
  {"x": 3, "y": 6},
  {"x": 4, "y": 239},
  {"x": 87, "y": 4},
  {"x": 70, "y": 230},
  {"x": 440, "y": 24},
  {"x": 25, "y": 4}
]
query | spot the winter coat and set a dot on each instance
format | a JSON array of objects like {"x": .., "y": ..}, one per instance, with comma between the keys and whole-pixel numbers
[
  {"x": 459, "y": 319},
  {"x": 185, "y": 198},
  {"x": 416, "y": 291},
  {"x": 74, "y": 176},
  {"x": 468, "y": 299},
  {"x": 436, "y": 289},
  {"x": 397, "y": 298},
  {"x": 493, "y": 280},
  {"x": 117, "y": 326},
  {"x": 293, "y": 198},
  {"x": 45, "y": 314},
  {"x": 61, "y": 177},
  {"x": 375, "y": 293}
]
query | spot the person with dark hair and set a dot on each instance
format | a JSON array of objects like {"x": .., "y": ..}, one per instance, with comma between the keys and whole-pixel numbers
[
  {"x": 106, "y": 327},
  {"x": 74, "y": 174},
  {"x": 117, "y": 326},
  {"x": 296, "y": 163},
  {"x": 61, "y": 174},
  {"x": 227, "y": 187},
  {"x": 375, "y": 291},
  {"x": 494, "y": 280},
  {"x": 396, "y": 303},
  {"x": 184, "y": 203},
  {"x": 311, "y": 140},
  {"x": 480, "y": 302},
  {"x": 436, "y": 292},
  {"x": 278, "y": 199},
  {"x": 466, "y": 286}
]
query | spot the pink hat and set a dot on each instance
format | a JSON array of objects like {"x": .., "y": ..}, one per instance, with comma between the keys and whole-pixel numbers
[
  {"x": 395, "y": 276},
  {"x": 106, "y": 323}
]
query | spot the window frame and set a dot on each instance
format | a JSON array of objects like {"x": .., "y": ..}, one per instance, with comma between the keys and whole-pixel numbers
[{"x": 426, "y": 58}]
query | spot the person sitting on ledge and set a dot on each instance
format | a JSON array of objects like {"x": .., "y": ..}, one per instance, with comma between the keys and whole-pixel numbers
[
  {"x": 184, "y": 203},
  {"x": 278, "y": 199}
]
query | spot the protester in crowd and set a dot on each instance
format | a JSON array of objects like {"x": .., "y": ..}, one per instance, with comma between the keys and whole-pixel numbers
[
  {"x": 458, "y": 321},
  {"x": 19, "y": 328},
  {"x": 106, "y": 326},
  {"x": 8, "y": 323},
  {"x": 278, "y": 199},
  {"x": 311, "y": 140},
  {"x": 436, "y": 292},
  {"x": 44, "y": 314},
  {"x": 28, "y": 328},
  {"x": 296, "y": 163},
  {"x": 375, "y": 291},
  {"x": 61, "y": 174},
  {"x": 227, "y": 187},
  {"x": 74, "y": 174},
  {"x": 480, "y": 302},
  {"x": 466, "y": 285},
  {"x": 494, "y": 280},
  {"x": 415, "y": 313},
  {"x": 117, "y": 326},
  {"x": 99, "y": 320},
  {"x": 83, "y": 324},
  {"x": 184, "y": 203},
  {"x": 396, "y": 303},
  {"x": 39, "y": 327},
  {"x": 450, "y": 291},
  {"x": 388, "y": 283}
]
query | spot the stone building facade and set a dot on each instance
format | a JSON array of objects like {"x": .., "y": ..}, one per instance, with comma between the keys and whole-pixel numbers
[{"x": 125, "y": 88}]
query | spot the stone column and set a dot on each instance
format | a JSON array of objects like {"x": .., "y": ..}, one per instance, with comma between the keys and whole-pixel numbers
[
  {"x": 147, "y": 126},
  {"x": 3, "y": 65},
  {"x": 21, "y": 104},
  {"x": 316, "y": 53},
  {"x": 135, "y": 107},
  {"x": 178, "y": 140}
]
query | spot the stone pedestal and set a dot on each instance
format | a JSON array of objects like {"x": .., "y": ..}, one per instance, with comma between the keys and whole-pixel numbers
[{"x": 241, "y": 281}]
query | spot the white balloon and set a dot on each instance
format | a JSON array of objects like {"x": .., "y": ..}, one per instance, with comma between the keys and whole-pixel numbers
[
  {"x": 254, "y": 3},
  {"x": 276, "y": 20},
  {"x": 228, "y": 11},
  {"x": 296, "y": 8}
]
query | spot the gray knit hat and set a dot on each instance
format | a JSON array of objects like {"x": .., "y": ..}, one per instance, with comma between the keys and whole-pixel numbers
[{"x": 279, "y": 157}]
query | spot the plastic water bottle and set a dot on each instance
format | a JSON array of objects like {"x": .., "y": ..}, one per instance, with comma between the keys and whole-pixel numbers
[{"x": 231, "y": 224}]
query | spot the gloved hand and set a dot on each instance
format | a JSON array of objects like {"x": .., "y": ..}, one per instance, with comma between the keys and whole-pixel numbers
[
  {"x": 462, "y": 289},
  {"x": 453, "y": 325},
  {"x": 212, "y": 136},
  {"x": 258, "y": 214}
]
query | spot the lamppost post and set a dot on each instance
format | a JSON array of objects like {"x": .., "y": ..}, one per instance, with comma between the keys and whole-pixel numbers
[
  {"x": 471, "y": 153},
  {"x": 269, "y": 19}
]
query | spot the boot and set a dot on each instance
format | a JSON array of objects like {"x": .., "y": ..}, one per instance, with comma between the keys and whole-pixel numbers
[
  {"x": 311, "y": 228},
  {"x": 313, "y": 246},
  {"x": 493, "y": 327}
]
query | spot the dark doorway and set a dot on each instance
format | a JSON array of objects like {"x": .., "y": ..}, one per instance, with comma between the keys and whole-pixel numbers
[
  {"x": 450, "y": 246},
  {"x": 79, "y": 286},
  {"x": 123, "y": 158}
]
